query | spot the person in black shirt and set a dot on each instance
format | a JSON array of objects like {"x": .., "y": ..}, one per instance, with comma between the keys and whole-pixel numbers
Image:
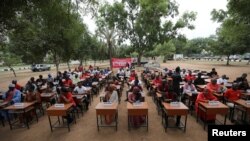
[
  {"x": 213, "y": 73},
  {"x": 199, "y": 80},
  {"x": 242, "y": 82},
  {"x": 176, "y": 81}
]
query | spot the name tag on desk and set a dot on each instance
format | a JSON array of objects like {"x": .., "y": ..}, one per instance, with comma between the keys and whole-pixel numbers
[
  {"x": 59, "y": 105},
  {"x": 174, "y": 104},
  {"x": 213, "y": 103},
  {"x": 107, "y": 103},
  {"x": 136, "y": 104},
  {"x": 19, "y": 104}
]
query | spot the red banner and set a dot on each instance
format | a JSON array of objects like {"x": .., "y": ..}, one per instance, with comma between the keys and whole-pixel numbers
[{"x": 120, "y": 62}]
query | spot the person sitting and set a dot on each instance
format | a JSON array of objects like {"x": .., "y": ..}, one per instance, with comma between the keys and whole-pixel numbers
[
  {"x": 12, "y": 96},
  {"x": 188, "y": 87},
  {"x": 199, "y": 80},
  {"x": 205, "y": 97},
  {"x": 17, "y": 86},
  {"x": 67, "y": 97},
  {"x": 230, "y": 96},
  {"x": 157, "y": 81},
  {"x": 112, "y": 97},
  {"x": 222, "y": 80},
  {"x": 135, "y": 84},
  {"x": 40, "y": 81},
  {"x": 213, "y": 73},
  {"x": 50, "y": 78},
  {"x": 75, "y": 79},
  {"x": 79, "y": 89},
  {"x": 67, "y": 82},
  {"x": 242, "y": 82},
  {"x": 134, "y": 97},
  {"x": 30, "y": 83},
  {"x": 214, "y": 87},
  {"x": 189, "y": 76}
]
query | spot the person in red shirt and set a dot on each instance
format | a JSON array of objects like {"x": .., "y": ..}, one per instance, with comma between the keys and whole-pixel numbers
[
  {"x": 205, "y": 97},
  {"x": 17, "y": 86},
  {"x": 157, "y": 81},
  {"x": 230, "y": 96},
  {"x": 213, "y": 86},
  {"x": 68, "y": 82},
  {"x": 67, "y": 97},
  {"x": 189, "y": 76}
]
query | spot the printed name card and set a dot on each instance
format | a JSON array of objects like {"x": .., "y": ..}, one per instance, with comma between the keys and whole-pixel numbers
[
  {"x": 174, "y": 104},
  {"x": 248, "y": 90},
  {"x": 59, "y": 105},
  {"x": 248, "y": 102},
  {"x": 19, "y": 104},
  {"x": 136, "y": 104},
  {"x": 79, "y": 97},
  {"x": 107, "y": 103},
  {"x": 213, "y": 103}
]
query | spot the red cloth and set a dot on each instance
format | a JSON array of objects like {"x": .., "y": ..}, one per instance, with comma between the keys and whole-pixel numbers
[
  {"x": 213, "y": 87},
  {"x": 189, "y": 77},
  {"x": 17, "y": 86},
  {"x": 157, "y": 81},
  {"x": 200, "y": 98},
  {"x": 69, "y": 97},
  {"x": 232, "y": 95},
  {"x": 68, "y": 83}
]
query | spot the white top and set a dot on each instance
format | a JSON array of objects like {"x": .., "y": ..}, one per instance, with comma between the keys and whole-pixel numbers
[
  {"x": 114, "y": 97},
  {"x": 221, "y": 80},
  {"x": 189, "y": 88},
  {"x": 81, "y": 90},
  {"x": 133, "y": 81},
  {"x": 127, "y": 73}
]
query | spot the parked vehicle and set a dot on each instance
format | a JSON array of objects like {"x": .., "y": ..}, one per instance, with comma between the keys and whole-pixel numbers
[{"x": 40, "y": 67}]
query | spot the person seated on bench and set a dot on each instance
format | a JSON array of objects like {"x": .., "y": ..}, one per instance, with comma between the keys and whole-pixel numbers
[
  {"x": 112, "y": 97},
  {"x": 67, "y": 97},
  {"x": 205, "y": 96},
  {"x": 230, "y": 96},
  {"x": 199, "y": 80},
  {"x": 12, "y": 96},
  {"x": 242, "y": 82},
  {"x": 136, "y": 96}
]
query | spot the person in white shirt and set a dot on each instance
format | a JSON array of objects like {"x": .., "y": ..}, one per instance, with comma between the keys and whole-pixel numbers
[
  {"x": 223, "y": 80},
  {"x": 189, "y": 87},
  {"x": 81, "y": 90},
  {"x": 114, "y": 95}
]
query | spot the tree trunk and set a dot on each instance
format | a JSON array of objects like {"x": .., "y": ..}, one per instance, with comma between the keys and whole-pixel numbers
[
  {"x": 85, "y": 61},
  {"x": 81, "y": 62},
  {"x": 139, "y": 59},
  {"x": 12, "y": 70},
  {"x": 228, "y": 59},
  {"x": 68, "y": 65},
  {"x": 57, "y": 67},
  {"x": 110, "y": 54}
]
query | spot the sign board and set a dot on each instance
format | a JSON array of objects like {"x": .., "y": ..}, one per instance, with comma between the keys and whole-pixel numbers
[{"x": 120, "y": 62}]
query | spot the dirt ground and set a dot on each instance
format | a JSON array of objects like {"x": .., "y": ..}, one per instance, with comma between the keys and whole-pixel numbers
[{"x": 85, "y": 128}]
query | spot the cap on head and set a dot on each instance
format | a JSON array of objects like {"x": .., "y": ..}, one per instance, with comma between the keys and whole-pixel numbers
[{"x": 11, "y": 86}]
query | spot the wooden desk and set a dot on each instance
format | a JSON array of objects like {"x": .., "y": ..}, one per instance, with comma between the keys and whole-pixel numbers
[
  {"x": 243, "y": 104},
  {"x": 103, "y": 110},
  {"x": 137, "y": 111},
  {"x": 27, "y": 106},
  {"x": 181, "y": 110},
  {"x": 212, "y": 110},
  {"x": 59, "y": 111}
]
